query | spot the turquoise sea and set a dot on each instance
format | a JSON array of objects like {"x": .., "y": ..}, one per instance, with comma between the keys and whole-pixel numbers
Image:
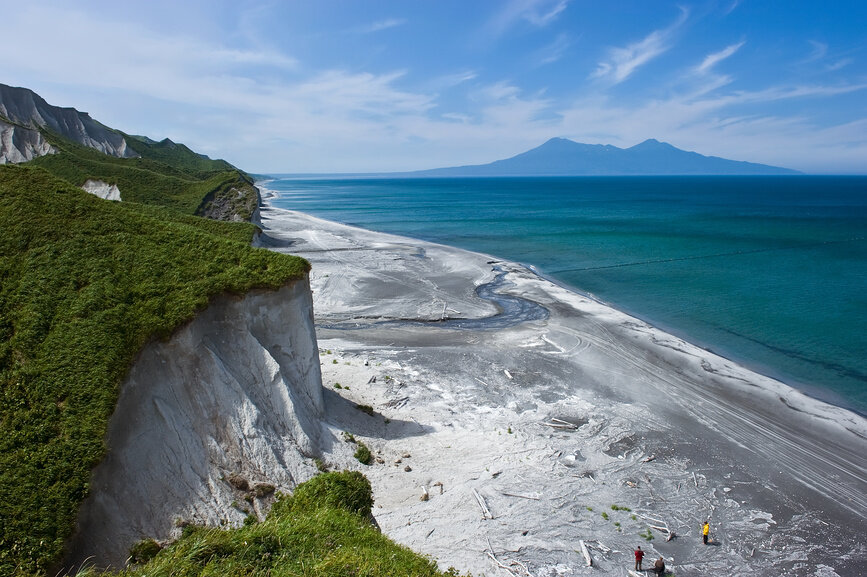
[{"x": 768, "y": 271}]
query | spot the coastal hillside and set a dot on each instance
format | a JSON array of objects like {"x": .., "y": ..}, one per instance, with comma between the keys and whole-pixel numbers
[
  {"x": 563, "y": 157},
  {"x": 71, "y": 145},
  {"x": 86, "y": 283}
]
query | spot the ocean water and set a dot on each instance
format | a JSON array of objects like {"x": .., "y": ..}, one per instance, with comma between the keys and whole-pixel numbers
[{"x": 768, "y": 271}]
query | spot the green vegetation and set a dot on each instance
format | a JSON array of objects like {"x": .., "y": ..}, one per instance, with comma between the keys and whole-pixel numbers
[
  {"x": 619, "y": 508},
  {"x": 167, "y": 174},
  {"x": 322, "y": 530},
  {"x": 604, "y": 515},
  {"x": 362, "y": 453},
  {"x": 647, "y": 535},
  {"x": 365, "y": 409},
  {"x": 84, "y": 284}
]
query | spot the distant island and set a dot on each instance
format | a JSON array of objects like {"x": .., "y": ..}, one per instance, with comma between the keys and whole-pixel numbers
[{"x": 563, "y": 157}]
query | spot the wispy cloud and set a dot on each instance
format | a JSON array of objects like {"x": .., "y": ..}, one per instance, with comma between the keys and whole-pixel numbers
[
  {"x": 839, "y": 64},
  {"x": 715, "y": 58},
  {"x": 539, "y": 13},
  {"x": 622, "y": 62},
  {"x": 820, "y": 49},
  {"x": 382, "y": 25},
  {"x": 555, "y": 50}
]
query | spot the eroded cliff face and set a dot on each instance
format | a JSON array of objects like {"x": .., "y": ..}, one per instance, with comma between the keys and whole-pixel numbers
[
  {"x": 206, "y": 423},
  {"x": 27, "y": 112},
  {"x": 19, "y": 144}
]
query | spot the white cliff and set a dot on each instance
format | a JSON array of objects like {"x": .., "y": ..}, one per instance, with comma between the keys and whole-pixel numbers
[
  {"x": 19, "y": 144},
  {"x": 101, "y": 189},
  {"x": 27, "y": 111},
  {"x": 230, "y": 404}
]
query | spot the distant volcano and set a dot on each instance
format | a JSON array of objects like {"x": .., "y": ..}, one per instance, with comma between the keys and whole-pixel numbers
[{"x": 563, "y": 157}]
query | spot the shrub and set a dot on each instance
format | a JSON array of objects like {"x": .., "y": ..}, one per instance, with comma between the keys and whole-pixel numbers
[
  {"x": 362, "y": 453},
  {"x": 365, "y": 409},
  {"x": 349, "y": 490},
  {"x": 144, "y": 551}
]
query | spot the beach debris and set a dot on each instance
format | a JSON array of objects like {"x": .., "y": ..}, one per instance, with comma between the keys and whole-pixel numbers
[
  {"x": 649, "y": 459},
  {"x": 407, "y": 468},
  {"x": 561, "y": 424},
  {"x": 657, "y": 523},
  {"x": 483, "y": 382},
  {"x": 429, "y": 533},
  {"x": 398, "y": 461},
  {"x": 406, "y": 456},
  {"x": 397, "y": 403},
  {"x": 598, "y": 545},
  {"x": 520, "y": 496},
  {"x": 508, "y": 374},
  {"x": 371, "y": 379},
  {"x": 425, "y": 496},
  {"x": 508, "y": 568},
  {"x": 694, "y": 480},
  {"x": 440, "y": 485},
  {"x": 486, "y": 513},
  {"x": 496, "y": 474},
  {"x": 585, "y": 552}
]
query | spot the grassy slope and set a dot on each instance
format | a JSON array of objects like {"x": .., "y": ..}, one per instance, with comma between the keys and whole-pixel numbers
[
  {"x": 321, "y": 530},
  {"x": 84, "y": 283},
  {"x": 171, "y": 176}
]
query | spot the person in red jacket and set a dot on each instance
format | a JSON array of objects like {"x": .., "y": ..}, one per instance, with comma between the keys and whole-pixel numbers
[{"x": 639, "y": 555}]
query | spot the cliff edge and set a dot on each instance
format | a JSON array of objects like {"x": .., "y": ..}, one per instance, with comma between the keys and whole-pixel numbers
[{"x": 208, "y": 424}]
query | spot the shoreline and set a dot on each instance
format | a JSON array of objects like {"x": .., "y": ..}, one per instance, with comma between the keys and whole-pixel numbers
[
  {"x": 811, "y": 390},
  {"x": 659, "y": 425}
]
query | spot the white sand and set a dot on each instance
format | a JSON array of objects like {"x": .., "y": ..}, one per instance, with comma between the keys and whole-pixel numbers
[{"x": 664, "y": 428}]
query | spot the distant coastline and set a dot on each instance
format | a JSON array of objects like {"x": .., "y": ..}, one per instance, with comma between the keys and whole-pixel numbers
[{"x": 779, "y": 363}]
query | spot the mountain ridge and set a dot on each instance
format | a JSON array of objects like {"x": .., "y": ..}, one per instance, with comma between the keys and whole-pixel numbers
[{"x": 564, "y": 157}]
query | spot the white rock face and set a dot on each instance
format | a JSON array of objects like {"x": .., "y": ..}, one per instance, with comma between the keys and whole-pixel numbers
[
  {"x": 236, "y": 393},
  {"x": 102, "y": 189},
  {"x": 28, "y": 110},
  {"x": 18, "y": 144}
]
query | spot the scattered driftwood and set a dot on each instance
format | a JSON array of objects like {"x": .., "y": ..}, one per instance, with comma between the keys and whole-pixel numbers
[
  {"x": 372, "y": 379},
  {"x": 694, "y": 480},
  {"x": 586, "y": 553},
  {"x": 507, "y": 568},
  {"x": 520, "y": 496},
  {"x": 562, "y": 422},
  {"x": 429, "y": 533},
  {"x": 440, "y": 485},
  {"x": 425, "y": 496},
  {"x": 649, "y": 459},
  {"x": 483, "y": 382},
  {"x": 486, "y": 513},
  {"x": 397, "y": 403},
  {"x": 508, "y": 374},
  {"x": 597, "y": 545}
]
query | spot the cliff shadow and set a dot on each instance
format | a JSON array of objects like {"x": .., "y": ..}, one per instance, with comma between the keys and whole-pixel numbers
[{"x": 364, "y": 420}]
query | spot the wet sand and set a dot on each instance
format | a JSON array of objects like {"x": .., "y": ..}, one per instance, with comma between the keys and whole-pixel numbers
[{"x": 494, "y": 388}]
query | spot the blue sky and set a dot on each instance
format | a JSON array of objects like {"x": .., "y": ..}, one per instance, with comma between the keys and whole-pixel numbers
[{"x": 348, "y": 86}]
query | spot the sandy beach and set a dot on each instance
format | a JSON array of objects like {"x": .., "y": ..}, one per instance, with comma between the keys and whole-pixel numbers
[{"x": 514, "y": 421}]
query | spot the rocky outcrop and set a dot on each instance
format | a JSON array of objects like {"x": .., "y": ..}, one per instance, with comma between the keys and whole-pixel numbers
[
  {"x": 25, "y": 110},
  {"x": 19, "y": 144},
  {"x": 208, "y": 424},
  {"x": 101, "y": 189}
]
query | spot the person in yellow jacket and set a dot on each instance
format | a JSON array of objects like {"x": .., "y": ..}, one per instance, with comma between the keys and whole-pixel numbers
[{"x": 705, "y": 530}]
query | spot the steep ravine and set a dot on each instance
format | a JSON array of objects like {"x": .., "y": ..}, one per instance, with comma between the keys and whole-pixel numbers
[{"x": 226, "y": 408}]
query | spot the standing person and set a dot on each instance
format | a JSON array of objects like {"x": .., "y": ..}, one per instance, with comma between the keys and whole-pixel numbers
[
  {"x": 639, "y": 555},
  {"x": 705, "y": 530},
  {"x": 659, "y": 566}
]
